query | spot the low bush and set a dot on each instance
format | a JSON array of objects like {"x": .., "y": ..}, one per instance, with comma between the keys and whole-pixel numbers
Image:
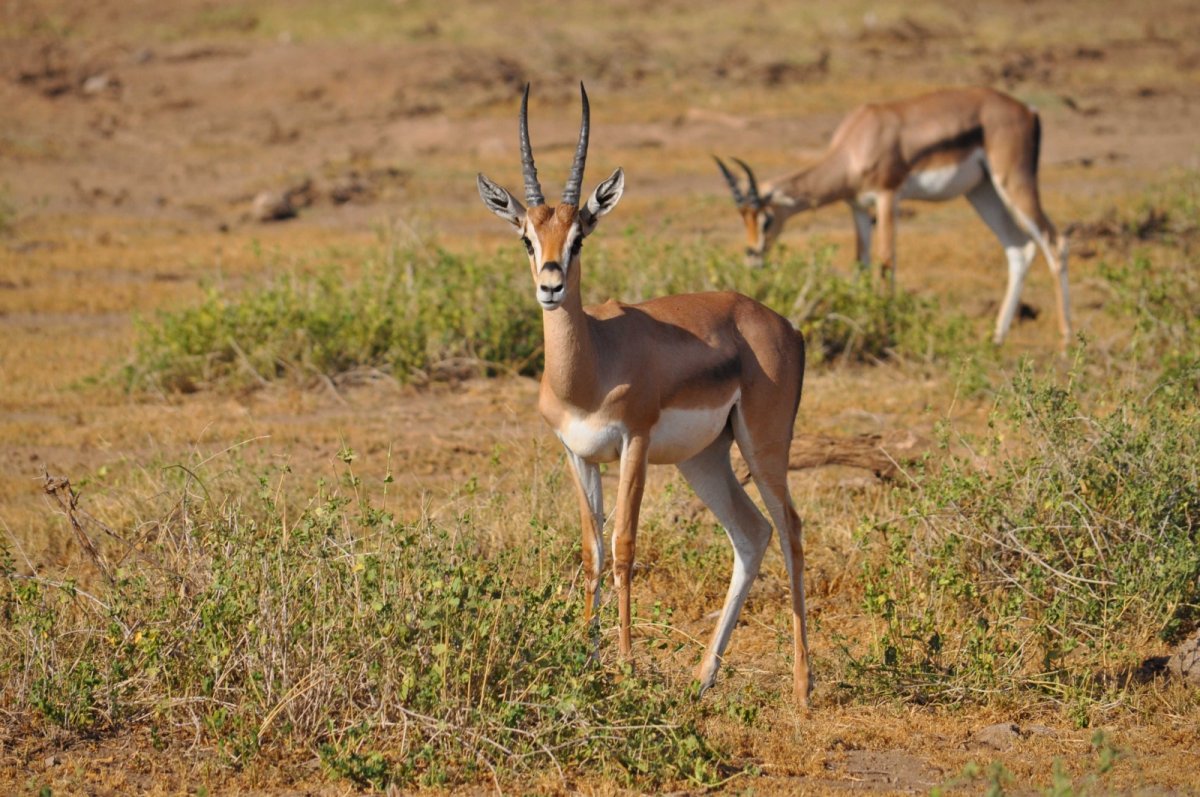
[
  {"x": 453, "y": 314},
  {"x": 397, "y": 650},
  {"x": 410, "y": 315},
  {"x": 1046, "y": 557}
]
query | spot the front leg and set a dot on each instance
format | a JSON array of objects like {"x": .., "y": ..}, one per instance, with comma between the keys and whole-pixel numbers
[
  {"x": 629, "y": 502},
  {"x": 885, "y": 237},
  {"x": 863, "y": 224},
  {"x": 591, "y": 521}
]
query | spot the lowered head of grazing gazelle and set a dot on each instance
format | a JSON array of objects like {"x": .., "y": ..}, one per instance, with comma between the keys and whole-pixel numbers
[
  {"x": 762, "y": 213},
  {"x": 553, "y": 236}
]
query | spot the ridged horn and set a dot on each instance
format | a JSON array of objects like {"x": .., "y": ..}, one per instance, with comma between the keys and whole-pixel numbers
[
  {"x": 575, "y": 179},
  {"x": 533, "y": 189},
  {"x": 733, "y": 185},
  {"x": 755, "y": 199}
]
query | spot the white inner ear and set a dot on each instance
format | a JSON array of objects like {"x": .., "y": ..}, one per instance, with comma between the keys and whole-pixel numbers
[
  {"x": 572, "y": 236},
  {"x": 613, "y": 188},
  {"x": 500, "y": 201}
]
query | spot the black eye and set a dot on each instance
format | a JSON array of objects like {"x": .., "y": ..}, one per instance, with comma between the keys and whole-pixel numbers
[
  {"x": 767, "y": 219},
  {"x": 528, "y": 245}
]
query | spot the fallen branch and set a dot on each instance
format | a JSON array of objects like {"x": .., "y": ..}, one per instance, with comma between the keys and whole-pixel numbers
[{"x": 882, "y": 454}]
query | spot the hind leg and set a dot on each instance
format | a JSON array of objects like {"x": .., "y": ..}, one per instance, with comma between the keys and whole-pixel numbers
[
  {"x": 711, "y": 477},
  {"x": 1018, "y": 249},
  {"x": 1021, "y": 198},
  {"x": 768, "y": 461}
]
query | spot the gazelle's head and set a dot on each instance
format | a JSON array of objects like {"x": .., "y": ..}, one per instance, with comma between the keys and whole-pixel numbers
[
  {"x": 760, "y": 213},
  {"x": 553, "y": 236}
]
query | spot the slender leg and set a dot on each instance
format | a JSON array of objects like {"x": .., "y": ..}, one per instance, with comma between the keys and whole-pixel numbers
[
  {"x": 885, "y": 237},
  {"x": 862, "y": 235},
  {"x": 1062, "y": 292},
  {"x": 711, "y": 477},
  {"x": 1020, "y": 196},
  {"x": 767, "y": 457},
  {"x": 1018, "y": 249},
  {"x": 591, "y": 520},
  {"x": 624, "y": 542}
]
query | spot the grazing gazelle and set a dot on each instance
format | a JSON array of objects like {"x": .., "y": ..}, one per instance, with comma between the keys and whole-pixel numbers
[
  {"x": 672, "y": 380},
  {"x": 974, "y": 141}
]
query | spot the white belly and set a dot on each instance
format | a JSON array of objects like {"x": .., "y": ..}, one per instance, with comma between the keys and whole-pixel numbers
[
  {"x": 682, "y": 434},
  {"x": 946, "y": 182},
  {"x": 679, "y": 434}
]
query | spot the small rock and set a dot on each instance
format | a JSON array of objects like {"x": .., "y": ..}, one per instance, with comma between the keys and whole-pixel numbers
[
  {"x": 52, "y": 761},
  {"x": 1185, "y": 661},
  {"x": 97, "y": 84},
  {"x": 273, "y": 206},
  {"x": 998, "y": 737}
]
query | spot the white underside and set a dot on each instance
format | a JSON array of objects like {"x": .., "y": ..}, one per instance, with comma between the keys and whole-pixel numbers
[
  {"x": 678, "y": 435},
  {"x": 948, "y": 182}
]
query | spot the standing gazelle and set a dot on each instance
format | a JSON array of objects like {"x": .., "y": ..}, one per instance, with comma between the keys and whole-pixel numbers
[
  {"x": 672, "y": 380},
  {"x": 974, "y": 141}
]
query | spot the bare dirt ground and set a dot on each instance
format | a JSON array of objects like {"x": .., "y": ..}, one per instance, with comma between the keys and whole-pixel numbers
[{"x": 135, "y": 135}]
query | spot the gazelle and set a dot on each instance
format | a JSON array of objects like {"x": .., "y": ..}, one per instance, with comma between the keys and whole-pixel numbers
[
  {"x": 975, "y": 142},
  {"x": 672, "y": 380}
]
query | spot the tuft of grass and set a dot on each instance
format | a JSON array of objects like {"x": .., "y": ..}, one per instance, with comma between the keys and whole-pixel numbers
[
  {"x": 844, "y": 318},
  {"x": 415, "y": 316},
  {"x": 455, "y": 313},
  {"x": 403, "y": 652},
  {"x": 1165, "y": 307}
]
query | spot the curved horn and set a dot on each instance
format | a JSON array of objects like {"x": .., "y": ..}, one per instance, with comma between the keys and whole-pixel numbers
[
  {"x": 533, "y": 189},
  {"x": 575, "y": 180},
  {"x": 754, "y": 197},
  {"x": 733, "y": 185}
]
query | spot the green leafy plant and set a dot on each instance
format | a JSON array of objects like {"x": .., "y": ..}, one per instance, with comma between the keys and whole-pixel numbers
[
  {"x": 405, "y": 652},
  {"x": 418, "y": 315},
  {"x": 412, "y": 319},
  {"x": 1043, "y": 570}
]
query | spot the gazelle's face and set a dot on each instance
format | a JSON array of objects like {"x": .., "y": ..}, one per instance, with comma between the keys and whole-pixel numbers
[
  {"x": 763, "y": 226},
  {"x": 553, "y": 238},
  {"x": 759, "y": 211}
]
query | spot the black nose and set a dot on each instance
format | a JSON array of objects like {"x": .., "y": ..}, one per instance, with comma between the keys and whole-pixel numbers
[{"x": 751, "y": 252}]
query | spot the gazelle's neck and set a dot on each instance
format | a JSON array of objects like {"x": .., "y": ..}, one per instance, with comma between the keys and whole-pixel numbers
[
  {"x": 572, "y": 368},
  {"x": 824, "y": 182}
]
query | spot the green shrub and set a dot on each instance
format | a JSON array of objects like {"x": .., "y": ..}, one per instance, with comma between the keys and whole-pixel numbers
[
  {"x": 843, "y": 318},
  {"x": 401, "y": 651},
  {"x": 1048, "y": 556},
  {"x": 445, "y": 312},
  {"x": 458, "y": 313}
]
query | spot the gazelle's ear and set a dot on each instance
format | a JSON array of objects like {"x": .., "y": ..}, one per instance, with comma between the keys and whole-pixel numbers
[
  {"x": 501, "y": 202},
  {"x": 603, "y": 199}
]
